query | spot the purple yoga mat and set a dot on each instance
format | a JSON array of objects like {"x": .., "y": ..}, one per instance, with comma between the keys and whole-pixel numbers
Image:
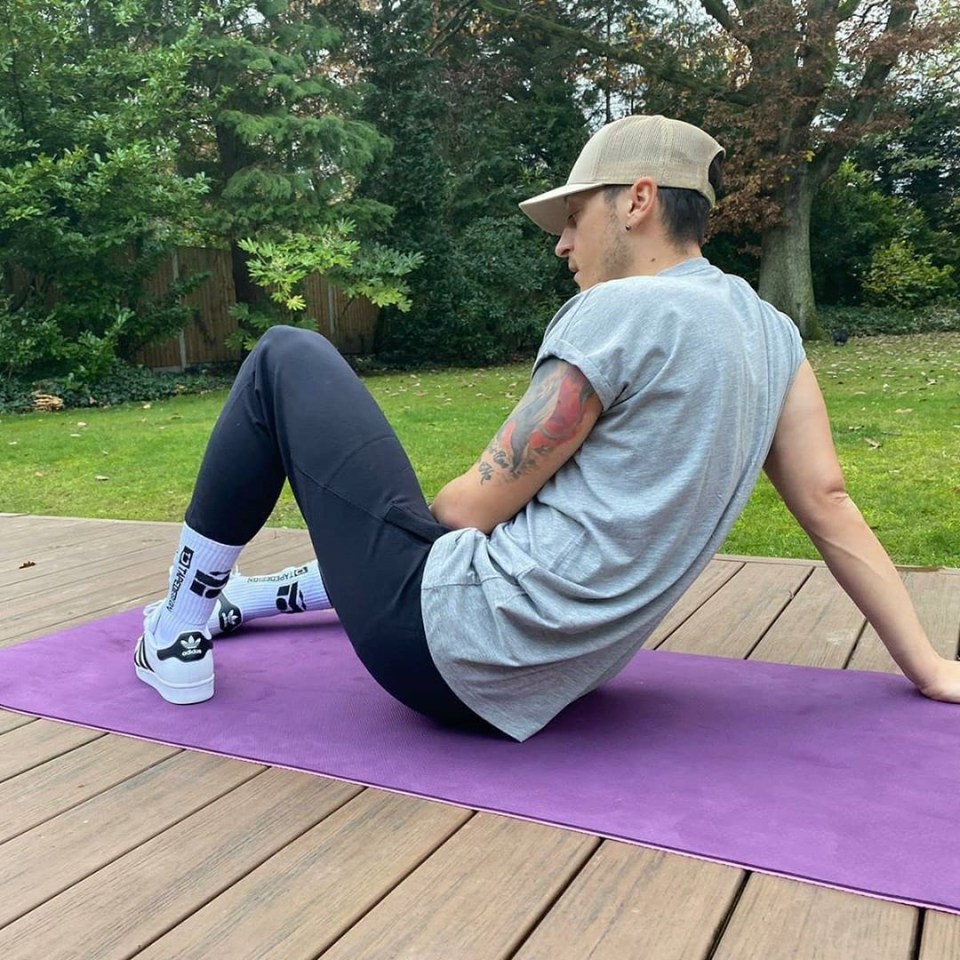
[{"x": 846, "y": 779}]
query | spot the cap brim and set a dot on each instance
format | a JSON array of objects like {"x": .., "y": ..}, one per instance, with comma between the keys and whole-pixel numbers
[{"x": 548, "y": 210}]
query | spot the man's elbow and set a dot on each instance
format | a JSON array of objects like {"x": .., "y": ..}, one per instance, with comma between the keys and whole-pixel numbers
[
  {"x": 457, "y": 512},
  {"x": 822, "y": 510},
  {"x": 456, "y": 518}
]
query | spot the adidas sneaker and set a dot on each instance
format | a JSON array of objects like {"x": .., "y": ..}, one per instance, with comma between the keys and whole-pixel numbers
[{"x": 181, "y": 672}]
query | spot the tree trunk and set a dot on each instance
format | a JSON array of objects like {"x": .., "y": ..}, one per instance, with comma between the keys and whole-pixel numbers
[
  {"x": 786, "y": 277},
  {"x": 232, "y": 160},
  {"x": 246, "y": 290}
]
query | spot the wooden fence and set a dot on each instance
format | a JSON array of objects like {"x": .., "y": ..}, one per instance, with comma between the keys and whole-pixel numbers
[{"x": 349, "y": 323}]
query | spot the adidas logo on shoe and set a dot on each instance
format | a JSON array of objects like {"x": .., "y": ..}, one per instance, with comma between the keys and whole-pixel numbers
[
  {"x": 229, "y": 616},
  {"x": 181, "y": 672},
  {"x": 186, "y": 647}
]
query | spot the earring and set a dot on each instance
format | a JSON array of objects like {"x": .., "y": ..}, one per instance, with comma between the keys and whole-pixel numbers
[{"x": 628, "y": 226}]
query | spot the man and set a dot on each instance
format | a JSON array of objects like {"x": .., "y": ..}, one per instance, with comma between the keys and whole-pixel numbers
[{"x": 657, "y": 396}]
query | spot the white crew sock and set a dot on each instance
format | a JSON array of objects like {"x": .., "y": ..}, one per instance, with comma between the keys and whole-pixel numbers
[
  {"x": 201, "y": 568},
  {"x": 292, "y": 590}
]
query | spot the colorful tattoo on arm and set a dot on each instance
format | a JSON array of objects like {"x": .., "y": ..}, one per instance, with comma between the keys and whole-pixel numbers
[{"x": 549, "y": 416}]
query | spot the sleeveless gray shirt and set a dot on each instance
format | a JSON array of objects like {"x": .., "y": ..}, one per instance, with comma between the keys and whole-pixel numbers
[{"x": 692, "y": 369}]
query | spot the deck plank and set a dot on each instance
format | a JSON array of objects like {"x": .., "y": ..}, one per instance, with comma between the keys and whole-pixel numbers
[
  {"x": 58, "y": 558},
  {"x": 54, "y": 604},
  {"x": 106, "y": 583},
  {"x": 937, "y": 599},
  {"x": 475, "y": 898},
  {"x": 616, "y": 908},
  {"x": 941, "y": 936},
  {"x": 25, "y": 533},
  {"x": 779, "y": 919},
  {"x": 28, "y": 745},
  {"x": 715, "y": 576},
  {"x": 301, "y": 900},
  {"x": 69, "y": 780},
  {"x": 732, "y": 621},
  {"x": 818, "y": 629},
  {"x": 76, "y": 603},
  {"x": 135, "y": 899},
  {"x": 88, "y": 563},
  {"x": 10, "y": 720},
  {"x": 59, "y": 853}
]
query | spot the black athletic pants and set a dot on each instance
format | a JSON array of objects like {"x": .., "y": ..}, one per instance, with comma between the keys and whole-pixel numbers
[{"x": 298, "y": 411}]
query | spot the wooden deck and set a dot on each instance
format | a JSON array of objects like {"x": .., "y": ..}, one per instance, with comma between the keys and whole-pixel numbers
[{"x": 111, "y": 847}]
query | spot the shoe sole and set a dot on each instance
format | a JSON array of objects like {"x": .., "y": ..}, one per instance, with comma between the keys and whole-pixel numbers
[{"x": 181, "y": 694}]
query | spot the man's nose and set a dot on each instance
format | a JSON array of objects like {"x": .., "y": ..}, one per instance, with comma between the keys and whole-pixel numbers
[{"x": 564, "y": 244}]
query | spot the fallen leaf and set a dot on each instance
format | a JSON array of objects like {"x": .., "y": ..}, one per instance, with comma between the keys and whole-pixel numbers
[
  {"x": 80, "y": 423},
  {"x": 39, "y": 473},
  {"x": 147, "y": 406},
  {"x": 75, "y": 434},
  {"x": 27, "y": 563},
  {"x": 904, "y": 410},
  {"x": 99, "y": 477},
  {"x": 12, "y": 443},
  {"x": 873, "y": 444}
]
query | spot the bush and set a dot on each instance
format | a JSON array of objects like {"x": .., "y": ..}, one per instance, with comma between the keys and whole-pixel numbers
[
  {"x": 852, "y": 219},
  {"x": 118, "y": 383},
  {"x": 492, "y": 300},
  {"x": 29, "y": 341},
  {"x": 39, "y": 343},
  {"x": 900, "y": 277}
]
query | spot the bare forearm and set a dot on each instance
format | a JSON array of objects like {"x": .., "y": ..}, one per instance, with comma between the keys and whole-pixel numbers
[
  {"x": 548, "y": 425},
  {"x": 864, "y": 570}
]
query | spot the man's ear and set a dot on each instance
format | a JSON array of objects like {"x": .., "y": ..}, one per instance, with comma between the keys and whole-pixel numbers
[{"x": 643, "y": 200}]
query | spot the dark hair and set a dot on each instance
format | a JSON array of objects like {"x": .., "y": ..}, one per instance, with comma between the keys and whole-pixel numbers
[{"x": 684, "y": 213}]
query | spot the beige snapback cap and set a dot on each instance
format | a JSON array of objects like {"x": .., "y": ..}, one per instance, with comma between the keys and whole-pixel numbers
[{"x": 673, "y": 153}]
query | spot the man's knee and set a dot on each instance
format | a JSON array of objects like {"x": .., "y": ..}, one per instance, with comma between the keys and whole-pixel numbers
[
  {"x": 290, "y": 346},
  {"x": 283, "y": 338}
]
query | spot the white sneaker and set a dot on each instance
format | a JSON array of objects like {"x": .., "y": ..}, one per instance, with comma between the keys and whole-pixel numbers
[{"x": 181, "y": 672}]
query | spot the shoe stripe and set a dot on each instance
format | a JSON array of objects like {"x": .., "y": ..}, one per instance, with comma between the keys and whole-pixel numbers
[{"x": 140, "y": 656}]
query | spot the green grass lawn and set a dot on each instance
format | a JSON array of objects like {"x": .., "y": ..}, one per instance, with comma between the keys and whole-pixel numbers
[{"x": 894, "y": 403}]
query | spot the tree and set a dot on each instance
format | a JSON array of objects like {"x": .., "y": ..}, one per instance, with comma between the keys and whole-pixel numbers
[
  {"x": 90, "y": 198},
  {"x": 852, "y": 219},
  {"x": 920, "y": 162},
  {"x": 128, "y": 127},
  {"x": 273, "y": 124},
  {"x": 478, "y": 118},
  {"x": 802, "y": 84}
]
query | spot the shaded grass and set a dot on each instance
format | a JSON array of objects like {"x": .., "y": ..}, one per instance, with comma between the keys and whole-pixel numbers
[{"x": 893, "y": 403}]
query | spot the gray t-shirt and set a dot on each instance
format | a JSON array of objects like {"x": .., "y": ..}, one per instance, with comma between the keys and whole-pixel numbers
[{"x": 692, "y": 369}]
